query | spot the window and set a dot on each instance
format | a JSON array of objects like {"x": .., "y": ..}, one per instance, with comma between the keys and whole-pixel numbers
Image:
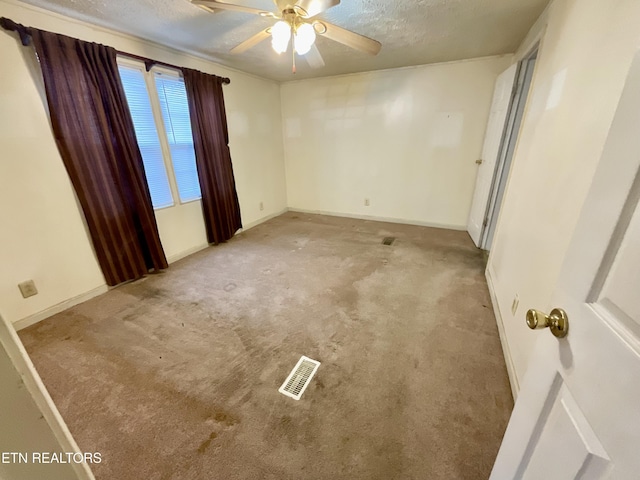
[
  {"x": 163, "y": 131},
  {"x": 135, "y": 89},
  {"x": 177, "y": 125}
]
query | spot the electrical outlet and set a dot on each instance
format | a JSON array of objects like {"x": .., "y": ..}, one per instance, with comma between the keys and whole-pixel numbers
[
  {"x": 514, "y": 304},
  {"x": 261, "y": 206},
  {"x": 28, "y": 289},
  {"x": 366, "y": 202}
]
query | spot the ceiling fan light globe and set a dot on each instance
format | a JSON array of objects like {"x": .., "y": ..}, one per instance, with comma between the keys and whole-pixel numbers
[
  {"x": 305, "y": 37},
  {"x": 280, "y": 36},
  {"x": 280, "y": 48}
]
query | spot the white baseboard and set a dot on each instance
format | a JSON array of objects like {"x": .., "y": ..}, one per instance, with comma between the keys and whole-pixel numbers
[
  {"x": 39, "y": 316},
  {"x": 191, "y": 251},
  {"x": 263, "y": 219},
  {"x": 382, "y": 219},
  {"x": 186, "y": 253},
  {"x": 506, "y": 351}
]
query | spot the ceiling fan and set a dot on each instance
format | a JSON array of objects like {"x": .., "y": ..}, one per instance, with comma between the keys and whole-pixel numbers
[{"x": 296, "y": 24}]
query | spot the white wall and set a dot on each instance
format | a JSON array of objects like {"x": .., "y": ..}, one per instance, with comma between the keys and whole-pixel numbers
[
  {"x": 42, "y": 236},
  {"x": 407, "y": 139},
  {"x": 584, "y": 58}
]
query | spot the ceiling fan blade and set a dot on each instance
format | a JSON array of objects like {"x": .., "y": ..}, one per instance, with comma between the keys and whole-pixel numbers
[
  {"x": 311, "y": 8},
  {"x": 230, "y": 6},
  {"x": 313, "y": 57},
  {"x": 252, "y": 41},
  {"x": 348, "y": 38}
]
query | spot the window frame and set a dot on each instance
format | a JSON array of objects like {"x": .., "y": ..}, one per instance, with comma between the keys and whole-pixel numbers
[
  {"x": 134, "y": 65},
  {"x": 152, "y": 92},
  {"x": 168, "y": 72}
]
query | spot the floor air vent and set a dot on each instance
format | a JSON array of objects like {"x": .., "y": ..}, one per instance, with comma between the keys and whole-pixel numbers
[
  {"x": 388, "y": 240},
  {"x": 299, "y": 378}
]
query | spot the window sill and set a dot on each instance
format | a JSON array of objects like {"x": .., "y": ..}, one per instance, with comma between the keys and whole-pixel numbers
[
  {"x": 185, "y": 202},
  {"x": 155, "y": 209}
]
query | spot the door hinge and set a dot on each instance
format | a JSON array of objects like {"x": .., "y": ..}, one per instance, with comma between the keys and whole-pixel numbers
[
  {"x": 485, "y": 222},
  {"x": 479, "y": 161}
]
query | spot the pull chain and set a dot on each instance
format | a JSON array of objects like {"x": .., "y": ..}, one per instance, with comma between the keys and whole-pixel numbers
[
  {"x": 293, "y": 70},
  {"x": 293, "y": 51}
]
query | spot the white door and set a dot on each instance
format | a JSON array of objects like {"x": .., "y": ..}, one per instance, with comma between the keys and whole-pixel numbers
[
  {"x": 492, "y": 140},
  {"x": 578, "y": 412}
]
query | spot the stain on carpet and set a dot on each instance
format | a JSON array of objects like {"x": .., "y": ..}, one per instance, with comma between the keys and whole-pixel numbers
[{"x": 204, "y": 445}]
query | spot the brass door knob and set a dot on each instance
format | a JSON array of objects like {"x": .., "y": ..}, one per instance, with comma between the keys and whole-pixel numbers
[{"x": 557, "y": 321}]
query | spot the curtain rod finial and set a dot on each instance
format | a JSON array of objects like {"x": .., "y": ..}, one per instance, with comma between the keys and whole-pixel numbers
[{"x": 23, "y": 31}]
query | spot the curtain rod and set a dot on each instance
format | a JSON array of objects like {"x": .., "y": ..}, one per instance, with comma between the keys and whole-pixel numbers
[
  {"x": 25, "y": 33},
  {"x": 148, "y": 63}
]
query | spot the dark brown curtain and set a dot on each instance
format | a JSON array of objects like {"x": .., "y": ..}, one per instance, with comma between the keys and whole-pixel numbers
[
  {"x": 211, "y": 142},
  {"x": 95, "y": 135}
]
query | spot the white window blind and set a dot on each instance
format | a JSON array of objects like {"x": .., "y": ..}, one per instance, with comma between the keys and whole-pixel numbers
[
  {"x": 137, "y": 95},
  {"x": 177, "y": 125}
]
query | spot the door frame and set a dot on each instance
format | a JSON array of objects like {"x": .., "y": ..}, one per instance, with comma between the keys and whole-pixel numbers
[
  {"x": 35, "y": 391},
  {"x": 511, "y": 132}
]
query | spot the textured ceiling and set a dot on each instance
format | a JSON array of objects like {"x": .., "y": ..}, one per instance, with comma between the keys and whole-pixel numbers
[{"x": 412, "y": 32}]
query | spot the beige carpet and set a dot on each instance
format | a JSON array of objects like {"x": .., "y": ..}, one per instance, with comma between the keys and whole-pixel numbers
[{"x": 176, "y": 376}]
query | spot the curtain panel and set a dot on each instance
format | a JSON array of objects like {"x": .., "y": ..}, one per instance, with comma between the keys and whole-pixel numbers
[
  {"x": 94, "y": 132},
  {"x": 220, "y": 205}
]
